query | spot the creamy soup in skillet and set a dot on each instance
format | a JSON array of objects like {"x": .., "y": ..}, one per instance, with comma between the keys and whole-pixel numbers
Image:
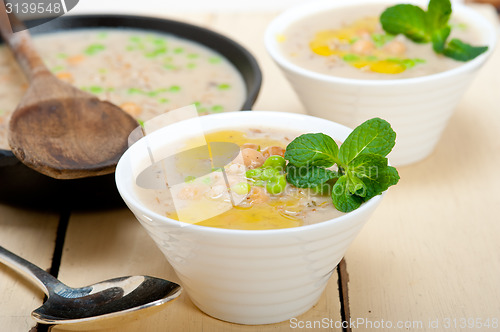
[
  {"x": 145, "y": 73},
  {"x": 351, "y": 43},
  {"x": 262, "y": 199}
]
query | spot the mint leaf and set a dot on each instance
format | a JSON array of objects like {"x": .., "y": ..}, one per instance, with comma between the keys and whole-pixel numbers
[
  {"x": 312, "y": 150},
  {"x": 313, "y": 177},
  {"x": 373, "y": 136},
  {"x": 438, "y": 13},
  {"x": 428, "y": 26},
  {"x": 439, "y": 39},
  {"x": 408, "y": 20},
  {"x": 343, "y": 200},
  {"x": 458, "y": 50},
  {"x": 363, "y": 170},
  {"x": 380, "y": 181},
  {"x": 355, "y": 185}
]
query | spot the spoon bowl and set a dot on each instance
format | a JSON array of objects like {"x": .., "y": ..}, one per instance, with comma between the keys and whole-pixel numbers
[
  {"x": 99, "y": 305},
  {"x": 58, "y": 130}
]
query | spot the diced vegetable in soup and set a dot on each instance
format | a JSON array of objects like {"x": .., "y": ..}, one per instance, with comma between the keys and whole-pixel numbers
[
  {"x": 259, "y": 195},
  {"x": 351, "y": 43},
  {"x": 145, "y": 73}
]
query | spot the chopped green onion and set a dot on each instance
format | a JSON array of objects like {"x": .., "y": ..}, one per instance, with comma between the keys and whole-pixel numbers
[
  {"x": 163, "y": 100},
  {"x": 96, "y": 89},
  {"x": 134, "y": 91},
  {"x": 178, "y": 50},
  {"x": 58, "y": 68},
  {"x": 156, "y": 52},
  {"x": 254, "y": 173},
  {"x": 174, "y": 88},
  {"x": 191, "y": 65},
  {"x": 380, "y": 39},
  {"x": 217, "y": 108},
  {"x": 350, "y": 57},
  {"x": 160, "y": 41},
  {"x": 241, "y": 188},
  {"x": 192, "y": 56},
  {"x": 189, "y": 178},
  {"x": 94, "y": 49},
  {"x": 353, "y": 40},
  {"x": 214, "y": 60},
  {"x": 224, "y": 86},
  {"x": 276, "y": 185}
]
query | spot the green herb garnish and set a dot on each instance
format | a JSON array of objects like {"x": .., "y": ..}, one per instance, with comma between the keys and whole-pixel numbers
[
  {"x": 94, "y": 49},
  {"x": 381, "y": 39},
  {"x": 429, "y": 26},
  {"x": 361, "y": 161}
]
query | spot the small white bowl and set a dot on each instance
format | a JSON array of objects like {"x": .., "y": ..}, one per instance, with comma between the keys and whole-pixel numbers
[
  {"x": 247, "y": 277},
  {"x": 417, "y": 108}
]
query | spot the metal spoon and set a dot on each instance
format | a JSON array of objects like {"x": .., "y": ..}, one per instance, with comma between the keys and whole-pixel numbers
[
  {"x": 95, "y": 306},
  {"x": 57, "y": 129}
]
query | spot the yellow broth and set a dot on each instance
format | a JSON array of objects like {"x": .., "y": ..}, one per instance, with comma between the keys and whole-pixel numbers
[
  {"x": 255, "y": 209},
  {"x": 350, "y": 42}
]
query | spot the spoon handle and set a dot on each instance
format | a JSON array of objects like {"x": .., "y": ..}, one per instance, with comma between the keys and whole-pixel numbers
[
  {"x": 21, "y": 45},
  {"x": 42, "y": 279}
]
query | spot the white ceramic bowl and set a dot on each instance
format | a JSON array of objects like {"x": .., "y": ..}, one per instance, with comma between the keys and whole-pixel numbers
[
  {"x": 417, "y": 108},
  {"x": 247, "y": 277}
]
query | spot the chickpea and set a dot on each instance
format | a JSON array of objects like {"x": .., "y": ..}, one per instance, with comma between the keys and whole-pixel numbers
[
  {"x": 189, "y": 192},
  {"x": 74, "y": 60},
  {"x": 257, "y": 195},
  {"x": 395, "y": 47},
  {"x": 250, "y": 146},
  {"x": 252, "y": 158},
  {"x": 65, "y": 76},
  {"x": 363, "y": 46},
  {"x": 273, "y": 151},
  {"x": 131, "y": 108}
]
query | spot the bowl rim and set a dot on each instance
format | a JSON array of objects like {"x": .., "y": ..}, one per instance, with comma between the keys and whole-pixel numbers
[
  {"x": 132, "y": 199},
  {"x": 301, "y": 11}
]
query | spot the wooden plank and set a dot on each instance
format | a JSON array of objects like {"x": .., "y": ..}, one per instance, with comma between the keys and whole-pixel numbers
[
  {"x": 31, "y": 235},
  {"x": 432, "y": 250},
  {"x": 104, "y": 245}
]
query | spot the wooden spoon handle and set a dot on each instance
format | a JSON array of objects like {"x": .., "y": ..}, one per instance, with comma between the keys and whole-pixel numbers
[{"x": 21, "y": 45}]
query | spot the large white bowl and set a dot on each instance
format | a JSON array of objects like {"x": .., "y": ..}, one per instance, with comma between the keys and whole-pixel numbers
[
  {"x": 247, "y": 277},
  {"x": 417, "y": 108}
]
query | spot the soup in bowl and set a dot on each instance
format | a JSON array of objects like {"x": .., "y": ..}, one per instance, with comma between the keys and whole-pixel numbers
[
  {"x": 250, "y": 261},
  {"x": 345, "y": 67}
]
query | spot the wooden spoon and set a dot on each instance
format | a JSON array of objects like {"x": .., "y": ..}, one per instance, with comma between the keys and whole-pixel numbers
[{"x": 57, "y": 129}]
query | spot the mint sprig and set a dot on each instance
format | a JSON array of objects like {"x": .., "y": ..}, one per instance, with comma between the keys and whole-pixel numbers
[
  {"x": 429, "y": 26},
  {"x": 363, "y": 171}
]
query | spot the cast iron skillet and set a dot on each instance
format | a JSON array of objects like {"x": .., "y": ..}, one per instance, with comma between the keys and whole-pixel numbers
[{"x": 22, "y": 186}]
